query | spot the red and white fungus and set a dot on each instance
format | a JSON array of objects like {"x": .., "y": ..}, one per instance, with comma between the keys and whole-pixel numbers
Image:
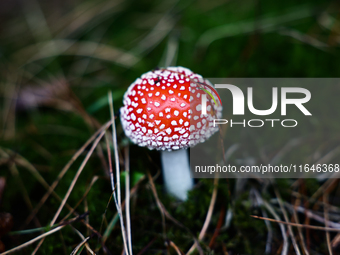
[{"x": 162, "y": 109}]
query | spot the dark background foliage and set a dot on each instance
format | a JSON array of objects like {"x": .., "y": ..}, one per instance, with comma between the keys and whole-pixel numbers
[{"x": 58, "y": 59}]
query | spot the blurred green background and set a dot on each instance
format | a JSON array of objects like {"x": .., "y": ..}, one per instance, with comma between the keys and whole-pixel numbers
[{"x": 58, "y": 60}]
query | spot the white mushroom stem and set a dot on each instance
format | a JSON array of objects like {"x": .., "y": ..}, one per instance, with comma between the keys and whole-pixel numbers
[{"x": 176, "y": 173}]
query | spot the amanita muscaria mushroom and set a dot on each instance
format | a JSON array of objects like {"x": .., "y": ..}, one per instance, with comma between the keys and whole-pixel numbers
[{"x": 162, "y": 111}]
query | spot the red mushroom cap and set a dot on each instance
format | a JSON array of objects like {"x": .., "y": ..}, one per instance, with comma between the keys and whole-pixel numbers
[{"x": 162, "y": 109}]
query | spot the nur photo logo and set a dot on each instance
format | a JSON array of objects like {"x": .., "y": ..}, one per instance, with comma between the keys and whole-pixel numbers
[{"x": 238, "y": 105}]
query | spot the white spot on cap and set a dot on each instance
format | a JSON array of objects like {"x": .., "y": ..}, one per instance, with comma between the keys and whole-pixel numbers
[
  {"x": 157, "y": 93},
  {"x": 176, "y": 113},
  {"x": 151, "y": 116},
  {"x": 139, "y": 110},
  {"x": 174, "y": 123},
  {"x": 157, "y": 122},
  {"x": 160, "y": 114},
  {"x": 170, "y": 91},
  {"x": 198, "y": 107},
  {"x": 162, "y": 126},
  {"x": 133, "y": 116},
  {"x": 148, "y": 108},
  {"x": 167, "y": 110},
  {"x": 182, "y": 104},
  {"x": 172, "y": 99},
  {"x": 163, "y": 97},
  {"x": 157, "y": 104},
  {"x": 182, "y": 88},
  {"x": 143, "y": 101},
  {"x": 168, "y": 130}
]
